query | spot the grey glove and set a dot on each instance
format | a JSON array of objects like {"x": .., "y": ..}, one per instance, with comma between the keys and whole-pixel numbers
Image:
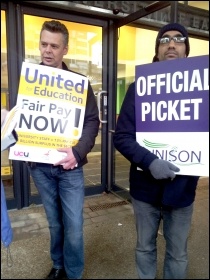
[{"x": 163, "y": 169}]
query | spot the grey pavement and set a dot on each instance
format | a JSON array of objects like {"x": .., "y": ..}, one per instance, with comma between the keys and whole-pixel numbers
[{"x": 110, "y": 237}]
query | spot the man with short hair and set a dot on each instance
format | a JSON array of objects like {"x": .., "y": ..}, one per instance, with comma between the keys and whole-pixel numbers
[
  {"x": 156, "y": 191},
  {"x": 61, "y": 185}
]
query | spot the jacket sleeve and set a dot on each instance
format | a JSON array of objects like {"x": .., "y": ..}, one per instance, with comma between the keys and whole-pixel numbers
[
  {"x": 90, "y": 127},
  {"x": 125, "y": 134}
]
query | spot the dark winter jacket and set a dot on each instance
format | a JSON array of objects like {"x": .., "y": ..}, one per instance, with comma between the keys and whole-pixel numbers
[
  {"x": 90, "y": 126},
  {"x": 177, "y": 193}
]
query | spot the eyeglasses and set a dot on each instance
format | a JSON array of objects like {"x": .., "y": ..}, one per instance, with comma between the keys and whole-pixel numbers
[{"x": 167, "y": 40}]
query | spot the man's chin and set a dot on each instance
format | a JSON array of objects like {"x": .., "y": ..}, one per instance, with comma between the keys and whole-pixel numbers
[{"x": 48, "y": 62}]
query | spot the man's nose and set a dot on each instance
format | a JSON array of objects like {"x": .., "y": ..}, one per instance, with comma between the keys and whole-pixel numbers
[
  {"x": 171, "y": 43},
  {"x": 48, "y": 48}
]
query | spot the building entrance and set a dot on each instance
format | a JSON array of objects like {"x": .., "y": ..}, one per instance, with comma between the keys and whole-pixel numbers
[
  {"x": 87, "y": 55},
  {"x": 104, "y": 48}
]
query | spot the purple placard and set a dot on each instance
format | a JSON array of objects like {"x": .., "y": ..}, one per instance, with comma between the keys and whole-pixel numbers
[{"x": 173, "y": 96}]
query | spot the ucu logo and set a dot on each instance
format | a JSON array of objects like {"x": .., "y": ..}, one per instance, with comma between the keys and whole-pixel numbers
[{"x": 21, "y": 154}]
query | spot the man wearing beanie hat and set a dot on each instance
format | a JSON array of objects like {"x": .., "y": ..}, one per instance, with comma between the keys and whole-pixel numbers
[
  {"x": 178, "y": 29},
  {"x": 157, "y": 193}
]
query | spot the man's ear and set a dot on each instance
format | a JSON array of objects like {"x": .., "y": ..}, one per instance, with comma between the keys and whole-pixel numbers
[{"x": 65, "y": 50}]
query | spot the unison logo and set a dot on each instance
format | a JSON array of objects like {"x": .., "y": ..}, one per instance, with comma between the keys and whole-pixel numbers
[{"x": 169, "y": 153}]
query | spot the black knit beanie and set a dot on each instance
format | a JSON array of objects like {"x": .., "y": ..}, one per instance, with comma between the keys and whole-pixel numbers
[{"x": 168, "y": 27}]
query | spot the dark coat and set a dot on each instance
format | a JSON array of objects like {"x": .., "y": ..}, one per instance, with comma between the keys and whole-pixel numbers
[{"x": 177, "y": 193}]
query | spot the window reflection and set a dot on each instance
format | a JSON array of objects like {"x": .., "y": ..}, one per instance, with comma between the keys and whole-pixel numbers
[{"x": 198, "y": 4}]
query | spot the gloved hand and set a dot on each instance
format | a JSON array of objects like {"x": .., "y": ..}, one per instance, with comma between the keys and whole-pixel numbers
[{"x": 163, "y": 169}]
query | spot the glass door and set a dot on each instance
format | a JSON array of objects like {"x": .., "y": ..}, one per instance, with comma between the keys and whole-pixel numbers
[
  {"x": 87, "y": 42},
  {"x": 132, "y": 51},
  {"x": 84, "y": 57}
]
